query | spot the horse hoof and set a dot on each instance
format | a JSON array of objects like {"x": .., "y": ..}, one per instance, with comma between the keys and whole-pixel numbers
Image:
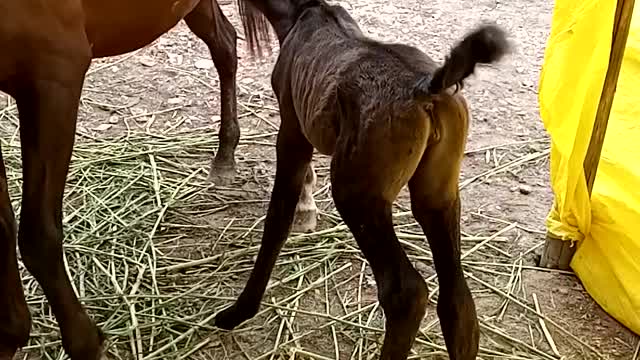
[
  {"x": 6, "y": 353},
  {"x": 221, "y": 175},
  {"x": 89, "y": 345},
  {"x": 305, "y": 221},
  {"x": 93, "y": 350},
  {"x": 227, "y": 319}
]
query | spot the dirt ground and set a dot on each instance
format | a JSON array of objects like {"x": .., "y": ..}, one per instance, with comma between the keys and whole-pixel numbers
[{"x": 171, "y": 86}]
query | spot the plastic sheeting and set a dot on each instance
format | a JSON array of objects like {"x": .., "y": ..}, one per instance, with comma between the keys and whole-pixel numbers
[{"x": 607, "y": 226}]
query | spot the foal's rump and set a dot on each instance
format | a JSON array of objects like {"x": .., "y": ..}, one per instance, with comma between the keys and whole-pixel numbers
[{"x": 330, "y": 67}]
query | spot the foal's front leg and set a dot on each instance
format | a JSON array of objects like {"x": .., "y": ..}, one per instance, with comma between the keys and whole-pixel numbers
[
  {"x": 305, "y": 219},
  {"x": 293, "y": 157}
]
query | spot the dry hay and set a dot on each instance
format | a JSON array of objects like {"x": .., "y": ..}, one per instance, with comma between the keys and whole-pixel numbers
[{"x": 153, "y": 259}]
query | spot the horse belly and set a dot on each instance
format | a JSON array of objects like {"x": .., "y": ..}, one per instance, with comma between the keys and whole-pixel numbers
[
  {"x": 116, "y": 27},
  {"x": 321, "y": 133},
  {"x": 315, "y": 107}
]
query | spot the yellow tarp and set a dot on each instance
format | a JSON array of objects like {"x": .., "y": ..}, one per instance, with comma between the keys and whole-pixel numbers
[{"x": 607, "y": 226}]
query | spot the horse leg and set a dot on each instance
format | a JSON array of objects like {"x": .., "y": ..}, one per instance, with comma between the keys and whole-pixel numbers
[
  {"x": 293, "y": 155},
  {"x": 305, "y": 219},
  {"x": 435, "y": 203},
  {"x": 209, "y": 23},
  {"x": 402, "y": 292},
  {"x": 439, "y": 215},
  {"x": 371, "y": 164},
  {"x": 14, "y": 313},
  {"x": 48, "y": 105}
]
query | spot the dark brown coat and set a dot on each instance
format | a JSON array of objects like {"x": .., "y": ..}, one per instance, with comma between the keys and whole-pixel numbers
[{"x": 389, "y": 117}]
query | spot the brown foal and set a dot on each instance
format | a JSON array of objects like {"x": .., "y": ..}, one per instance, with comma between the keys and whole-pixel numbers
[{"x": 389, "y": 117}]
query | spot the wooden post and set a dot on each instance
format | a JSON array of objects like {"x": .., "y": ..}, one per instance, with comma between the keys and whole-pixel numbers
[{"x": 558, "y": 253}]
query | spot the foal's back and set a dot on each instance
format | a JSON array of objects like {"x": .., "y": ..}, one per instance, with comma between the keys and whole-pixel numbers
[{"x": 331, "y": 67}]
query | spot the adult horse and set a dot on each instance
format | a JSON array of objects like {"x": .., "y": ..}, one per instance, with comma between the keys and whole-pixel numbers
[{"x": 46, "y": 48}]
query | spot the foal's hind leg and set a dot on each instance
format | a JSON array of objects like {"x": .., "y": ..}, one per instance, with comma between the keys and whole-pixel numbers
[
  {"x": 48, "y": 105},
  {"x": 293, "y": 153},
  {"x": 401, "y": 290},
  {"x": 14, "y": 314},
  {"x": 435, "y": 203},
  {"x": 438, "y": 212},
  {"x": 367, "y": 174},
  {"x": 305, "y": 219},
  {"x": 209, "y": 23}
]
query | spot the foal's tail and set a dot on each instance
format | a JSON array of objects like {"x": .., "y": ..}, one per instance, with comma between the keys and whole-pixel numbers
[
  {"x": 487, "y": 44},
  {"x": 255, "y": 24}
]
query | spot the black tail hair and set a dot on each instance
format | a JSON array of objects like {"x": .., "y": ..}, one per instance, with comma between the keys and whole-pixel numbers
[
  {"x": 256, "y": 26},
  {"x": 486, "y": 44}
]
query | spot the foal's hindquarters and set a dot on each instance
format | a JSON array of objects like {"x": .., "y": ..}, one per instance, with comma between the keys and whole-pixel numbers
[
  {"x": 367, "y": 172},
  {"x": 423, "y": 150},
  {"x": 386, "y": 115}
]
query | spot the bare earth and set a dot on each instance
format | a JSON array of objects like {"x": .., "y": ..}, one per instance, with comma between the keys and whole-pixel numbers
[{"x": 171, "y": 87}]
